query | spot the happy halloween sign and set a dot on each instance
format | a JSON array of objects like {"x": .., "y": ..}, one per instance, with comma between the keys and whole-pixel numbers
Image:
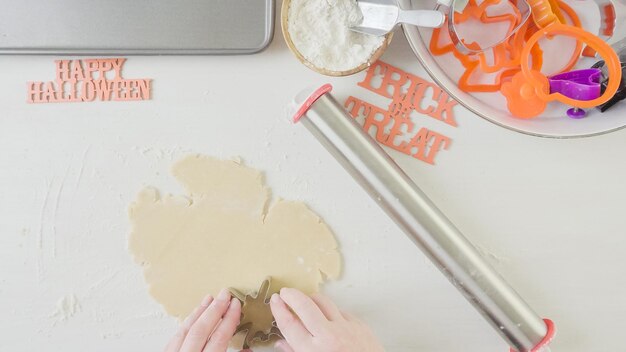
[
  {"x": 412, "y": 99},
  {"x": 89, "y": 80}
]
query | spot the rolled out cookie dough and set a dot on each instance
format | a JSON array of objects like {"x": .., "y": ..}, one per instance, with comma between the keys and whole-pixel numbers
[{"x": 222, "y": 235}]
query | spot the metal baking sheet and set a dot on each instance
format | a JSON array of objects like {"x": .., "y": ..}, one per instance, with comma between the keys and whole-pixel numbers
[{"x": 125, "y": 27}]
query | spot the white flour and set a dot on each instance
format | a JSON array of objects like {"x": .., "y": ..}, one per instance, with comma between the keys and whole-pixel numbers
[{"x": 319, "y": 30}]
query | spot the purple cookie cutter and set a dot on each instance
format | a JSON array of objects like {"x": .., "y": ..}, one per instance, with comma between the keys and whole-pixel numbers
[{"x": 580, "y": 85}]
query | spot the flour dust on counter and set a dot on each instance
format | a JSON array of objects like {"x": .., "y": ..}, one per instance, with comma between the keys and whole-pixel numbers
[
  {"x": 67, "y": 306},
  {"x": 223, "y": 234}
]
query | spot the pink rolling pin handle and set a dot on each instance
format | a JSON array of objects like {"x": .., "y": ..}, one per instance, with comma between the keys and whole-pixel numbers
[
  {"x": 306, "y": 104},
  {"x": 547, "y": 339}
]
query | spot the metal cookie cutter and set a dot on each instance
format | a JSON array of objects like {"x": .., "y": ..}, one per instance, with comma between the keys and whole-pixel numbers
[
  {"x": 459, "y": 11},
  {"x": 264, "y": 327}
]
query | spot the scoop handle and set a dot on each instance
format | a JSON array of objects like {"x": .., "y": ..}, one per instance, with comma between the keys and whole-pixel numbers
[{"x": 422, "y": 18}]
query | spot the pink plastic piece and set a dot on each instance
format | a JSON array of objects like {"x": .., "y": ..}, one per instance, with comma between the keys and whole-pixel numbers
[
  {"x": 310, "y": 100},
  {"x": 547, "y": 339}
]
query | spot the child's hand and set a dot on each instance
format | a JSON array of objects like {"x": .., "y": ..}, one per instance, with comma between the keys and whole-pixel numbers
[
  {"x": 318, "y": 325},
  {"x": 210, "y": 327}
]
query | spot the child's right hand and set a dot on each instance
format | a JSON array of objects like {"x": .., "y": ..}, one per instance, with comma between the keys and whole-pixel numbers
[{"x": 318, "y": 325}]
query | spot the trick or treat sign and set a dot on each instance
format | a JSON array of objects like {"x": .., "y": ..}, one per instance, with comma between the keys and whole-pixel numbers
[
  {"x": 400, "y": 124},
  {"x": 88, "y": 80}
]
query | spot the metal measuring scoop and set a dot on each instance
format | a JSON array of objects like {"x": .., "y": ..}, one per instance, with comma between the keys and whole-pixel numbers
[{"x": 383, "y": 16}]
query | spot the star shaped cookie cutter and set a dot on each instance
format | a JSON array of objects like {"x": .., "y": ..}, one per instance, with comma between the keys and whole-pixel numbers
[{"x": 263, "y": 328}]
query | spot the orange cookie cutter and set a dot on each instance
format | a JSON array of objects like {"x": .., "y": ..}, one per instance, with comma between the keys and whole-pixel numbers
[
  {"x": 471, "y": 10},
  {"x": 516, "y": 43},
  {"x": 471, "y": 62},
  {"x": 506, "y": 56},
  {"x": 529, "y": 92},
  {"x": 543, "y": 12}
]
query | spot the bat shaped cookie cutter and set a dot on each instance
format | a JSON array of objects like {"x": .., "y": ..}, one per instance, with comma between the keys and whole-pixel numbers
[
  {"x": 263, "y": 328},
  {"x": 406, "y": 204}
]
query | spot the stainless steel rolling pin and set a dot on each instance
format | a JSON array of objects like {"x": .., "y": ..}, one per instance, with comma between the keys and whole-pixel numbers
[{"x": 422, "y": 221}]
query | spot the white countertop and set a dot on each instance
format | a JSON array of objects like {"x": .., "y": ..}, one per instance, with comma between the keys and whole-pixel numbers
[{"x": 548, "y": 214}]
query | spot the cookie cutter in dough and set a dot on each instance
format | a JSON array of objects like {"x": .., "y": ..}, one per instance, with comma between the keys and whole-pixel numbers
[
  {"x": 256, "y": 301},
  {"x": 457, "y": 258}
]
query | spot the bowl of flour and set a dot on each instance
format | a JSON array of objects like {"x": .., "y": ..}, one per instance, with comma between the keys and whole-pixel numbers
[{"x": 318, "y": 33}]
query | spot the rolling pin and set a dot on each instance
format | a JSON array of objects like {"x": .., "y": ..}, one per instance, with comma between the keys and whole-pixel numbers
[{"x": 419, "y": 218}]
